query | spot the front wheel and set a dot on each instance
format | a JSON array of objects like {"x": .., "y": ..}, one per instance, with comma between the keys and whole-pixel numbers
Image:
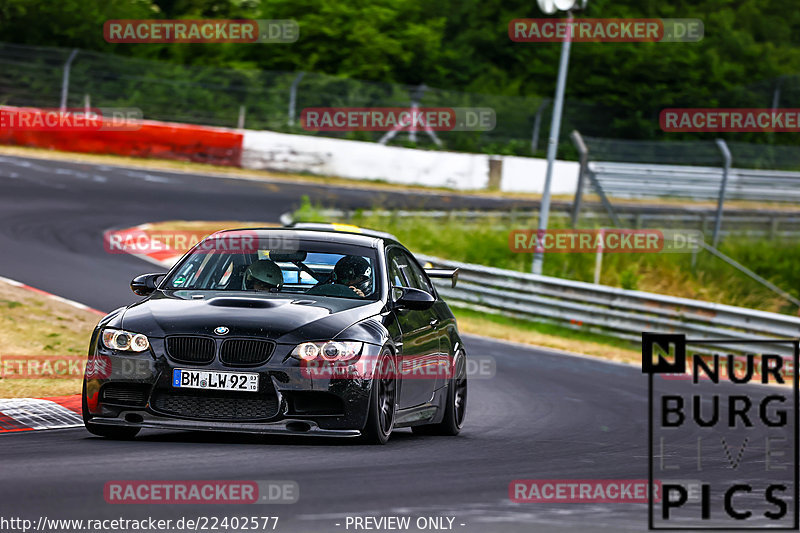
[
  {"x": 383, "y": 399},
  {"x": 456, "y": 404}
]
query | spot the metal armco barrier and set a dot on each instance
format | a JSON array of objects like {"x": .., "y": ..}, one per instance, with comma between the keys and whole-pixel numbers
[
  {"x": 620, "y": 313},
  {"x": 636, "y": 180}
]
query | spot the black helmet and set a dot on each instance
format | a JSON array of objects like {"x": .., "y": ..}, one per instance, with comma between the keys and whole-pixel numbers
[{"x": 353, "y": 270}]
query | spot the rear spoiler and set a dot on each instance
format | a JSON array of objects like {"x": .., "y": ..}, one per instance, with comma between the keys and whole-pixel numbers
[{"x": 451, "y": 273}]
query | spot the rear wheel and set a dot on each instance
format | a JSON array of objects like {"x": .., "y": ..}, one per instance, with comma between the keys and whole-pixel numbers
[
  {"x": 109, "y": 432},
  {"x": 380, "y": 420},
  {"x": 456, "y": 403}
]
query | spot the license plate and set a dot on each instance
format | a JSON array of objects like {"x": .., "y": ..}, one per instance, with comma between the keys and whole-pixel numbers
[{"x": 213, "y": 380}]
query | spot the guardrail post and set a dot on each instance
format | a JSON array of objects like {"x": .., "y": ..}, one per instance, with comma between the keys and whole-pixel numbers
[
  {"x": 776, "y": 95},
  {"x": 577, "y": 140},
  {"x": 495, "y": 172},
  {"x": 598, "y": 258},
  {"x": 65, "y": 79},
  {"x": 240, "y": 122},
  {"x": 293, "y": 96},
  {"x": 726, "y": 156}
]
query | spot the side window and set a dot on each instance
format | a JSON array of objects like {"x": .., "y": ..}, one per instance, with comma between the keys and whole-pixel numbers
[
  {"x": 404, "y": 271},
  {"x": 396, "y": 265},
  {"x": 415, "y": 275}
]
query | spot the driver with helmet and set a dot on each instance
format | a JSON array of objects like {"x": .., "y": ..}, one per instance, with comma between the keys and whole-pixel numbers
[
  {"x": 353, "y": 272},
  {"x": 263, "y": 275}
]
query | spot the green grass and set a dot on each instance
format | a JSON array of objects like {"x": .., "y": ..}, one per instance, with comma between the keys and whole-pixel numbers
[{"x": 544, "y": 328}]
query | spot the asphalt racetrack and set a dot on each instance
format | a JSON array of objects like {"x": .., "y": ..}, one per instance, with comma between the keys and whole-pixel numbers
[{"x": 543, "y": 415}]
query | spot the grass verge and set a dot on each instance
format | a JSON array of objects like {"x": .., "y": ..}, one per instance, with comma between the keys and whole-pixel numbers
[
  {"x": 45, "y": 329},
  {"x": 546, "y": 335}
]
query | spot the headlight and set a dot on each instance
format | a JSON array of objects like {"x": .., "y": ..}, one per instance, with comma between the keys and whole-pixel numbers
[
  {"x": 124, "y": 341},
  {"x": 328, "y": 351}
]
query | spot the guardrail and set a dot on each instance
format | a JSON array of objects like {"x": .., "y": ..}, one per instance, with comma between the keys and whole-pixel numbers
[
  {"x": 621, "y": 313},
  {"x": 637, "y": 180}
]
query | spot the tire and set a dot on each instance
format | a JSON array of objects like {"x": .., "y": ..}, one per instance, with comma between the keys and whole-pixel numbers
[
  {"x": 456, "y": 407},
  {"x": 108, "y": 432},
  {"x": 383, "y": 401}
]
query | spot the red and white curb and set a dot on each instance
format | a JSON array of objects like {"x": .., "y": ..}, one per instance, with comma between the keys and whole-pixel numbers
[
  {"x": 30, "y": 414},
  {"x": 72, "y": 303}
]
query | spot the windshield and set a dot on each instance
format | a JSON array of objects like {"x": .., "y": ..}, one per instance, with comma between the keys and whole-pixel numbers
[{"x": 317, "y": 269}]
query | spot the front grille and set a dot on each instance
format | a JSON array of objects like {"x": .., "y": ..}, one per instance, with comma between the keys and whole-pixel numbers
[
  {"x": 191, "y": 349},
  {"x": 246, "y": 352},
  {"x": 217, "y": 406},
  {"x": 126, "y": 394}
]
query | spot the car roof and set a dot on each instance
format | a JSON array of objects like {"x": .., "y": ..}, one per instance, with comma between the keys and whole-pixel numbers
[{"x": 342, "y": 233}]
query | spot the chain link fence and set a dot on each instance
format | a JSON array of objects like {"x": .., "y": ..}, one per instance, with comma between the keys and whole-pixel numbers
[
  {"x": 697, "y": 152},
  {"x": 255, "y": 99}
]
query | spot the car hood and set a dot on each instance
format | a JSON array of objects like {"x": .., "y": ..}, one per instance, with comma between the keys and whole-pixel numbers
[{"x": 285, "y": 318}]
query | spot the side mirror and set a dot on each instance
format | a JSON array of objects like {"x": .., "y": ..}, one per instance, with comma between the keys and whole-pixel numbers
[
  {"x": 145, "y": 284},
  {"x": 414, "y": 299}
]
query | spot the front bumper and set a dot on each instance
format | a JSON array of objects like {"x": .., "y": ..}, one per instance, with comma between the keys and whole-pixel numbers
[
  {"x": 283, "y": 427},
  {"x": 289, "y": 401}
]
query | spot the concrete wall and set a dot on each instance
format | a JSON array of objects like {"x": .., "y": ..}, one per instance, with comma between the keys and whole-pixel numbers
[
  {"x": 299, "y": 153},
  {"x": 526, "y": 174},
  {"x": 364, "y": 160}
]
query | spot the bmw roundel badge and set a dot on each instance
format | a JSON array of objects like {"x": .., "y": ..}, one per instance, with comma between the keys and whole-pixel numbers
[{"x": 221, "y": 330}]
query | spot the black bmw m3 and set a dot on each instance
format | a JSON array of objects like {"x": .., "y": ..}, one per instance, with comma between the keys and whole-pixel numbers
[{"x": 302, "y": 330}]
